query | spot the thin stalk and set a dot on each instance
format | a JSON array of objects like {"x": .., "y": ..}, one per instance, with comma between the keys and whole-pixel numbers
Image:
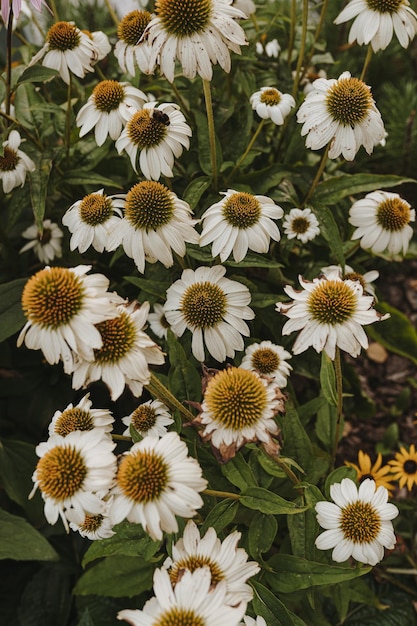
[
  {"x": 212, "y": 134},
  {"x": 300, "y": 59},
  {"x": 318, "y": 175},
  {"x": 9, "y": 61},
  {"x": 245, "y": 154},
  {"x": 121, "y": 438},
  {"x": 288, "y": 471},
  {"x": 366, "y": 62},
  {"x": 221, "y": 494},
  {"x": 99, "y": 72},
  {"x": 54, "y": 9},
  {"x": 159, "y": 390},
  {"x": 112, "y": 12},
  {"x": 339, "y": 391},
  {"x": 68, "y": 120},
  {"x": 316, "y": 36},
  {"x": 181, "y": 100},
  {"x": 12, "y": 120},
  {"x": 292, "y": 30}
]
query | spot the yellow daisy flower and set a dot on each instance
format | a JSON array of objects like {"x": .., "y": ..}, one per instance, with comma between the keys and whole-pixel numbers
[
  {"x": 365, "y": 469},
  {"x": 404, "y": 467}
]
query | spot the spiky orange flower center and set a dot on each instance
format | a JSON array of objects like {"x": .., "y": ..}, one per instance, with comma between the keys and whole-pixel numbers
[
  {"x": 73, "y": 419},
  {"x": 271, "y": 97},
  {"x": 332, "y": 302},
  {"x": 193, "y": 562},
  {"x": 183, "y": 18},
  {"x": 180, "y": 617},
  {"x": 95, "y": 209},
  {"x": 9, "y": 160},
  {"x": 265, "y": 360},
  {"x": 349, "y": 101},
  {"x": 61, "y": 472},
  {"x": 203, "y": 305},
  {"x": 242, "y": 210},
  {"x": 360, "y": 522},
  {"x": 393, "y": 214},
  {"x": 118, "y": 336},
  {"x": 143, "y": 476},
  {"x": 146, "y": 130},
  {"x": 143, "y": 418},
  {"x": 149, "y": 205},
  {"x": 63, "y": 36},
  {"x": 132, "y": 26},
  {"x": 384, "y": 6},
  {"x": 108, "y": 95}
]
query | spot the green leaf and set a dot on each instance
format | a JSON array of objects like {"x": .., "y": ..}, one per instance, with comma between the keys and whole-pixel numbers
[
  {"x": 116, "y": 576},
  {"x": 153, "y": 287},
  {"x": 26, "y": 103},
  {"x": 254, "y": 260},
  {"x": 17, "y": 463},
  {"x": 184, "y": 380},
  {"x": 262, "y": 532},
  {"x": 83, "y": 177},
  {"x": 239, "y": 473},
  {"x": 223, "y": 514},
  {"x": 268, "y": 502},
  {"x": 330, "y": 232},
  {"x": 334, "y": 189},
  {"x": 328, "y": 379},
  {"x": 21, "y": 542},
  {"x": 297, "y": 444},
  {"x": 337, "y": 475},
  {"x": 268, "y": 606},
  {"x": 129, "y": 540},
  {"x": 37, "y": 74},
  {"x": 397, "y": 333},
  {"x": 326, "y": 424},
  {"x": 12, "y": 317},
  {"x": 295, "y": 573},
  {"x": 195, "y": 190},
  {"x": 38, "y": 182}
]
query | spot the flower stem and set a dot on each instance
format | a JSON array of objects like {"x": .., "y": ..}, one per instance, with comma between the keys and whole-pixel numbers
[
  {"x": 245, "y": 154},
  {"x": 112, "y": 12},
  {"x": 221, "y": 494},
  {"x": 68, "y": 120},
  {"x": 54, "y": 9},
  {"x": 121, "y": 438},
  {"x": 339, "y": 391},
  {"x": 366, "y": 62},
  {"x": 286, "y": 468},
  {"x": 318, "y": 175},
  {"x": 316, "y": 36},
  {"x": 300, "y": 59},
  {"x": 159, "y": 390},
  {"x": 292, "y": 30},
  {"x": 9, "y": 61},
  {"x": 212, "y": 134}
]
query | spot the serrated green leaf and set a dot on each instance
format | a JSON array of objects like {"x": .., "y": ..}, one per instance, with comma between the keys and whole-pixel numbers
[
  {"x": 116, "y": 576},
  {"x": 330, "y": 232},
  {"x": 338, "y": 187},
  {"x": 37, "y": 74},
  {"x": 265, "y": 501},
  {"x": 220, "y": 516},
  {"x": 128, "y": 540},
  {"x": 239, "y": 473},
  {"x": 328, "y": 379},
  {"x": 262, "y": 532},
  {"x": 12, "y": 317},
  {"x": 195, "y": 190},
  {"x": 38, "y": 183},
  {"x": 297, "y": 444},
  {"x": 397, "y": 333},
  {"x": 268, "y": 606},
  {"x": 21, "y": 542}
]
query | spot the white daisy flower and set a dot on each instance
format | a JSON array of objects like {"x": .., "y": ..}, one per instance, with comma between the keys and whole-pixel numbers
[
  {"x": 131, "y": 50},
  {"x": 269, "y": 103},
  {"x": 93, "y": 527},
  {"x": 46, "y": 245},
  {"x": 192, "y": 601},
  {"x": 101, "y": 43},
  {"x": 157, "y": 480},
  {"x": 92, "y": 220},
  {"x": 199, "y": 33},
  {"x": 156, "y": 223},
  {"x": 149, "y": 419},
  {"x": 270, "y": 48},
  {"x": 74, "y": 472},
  {"x": 157, "y": 321},
  {"x": 365, "y": 280},
  {"x": 108, "y": 108},
  {"x": 240, "y": 221},
  {"x": 125, "y": 353},
  {"x": 239, "y": 407},
  {"x": 14, "y": 164},
  {"x": 341, "y": 113},
  {"x": 301, "y": 224},
  {"x": 213, "y": 308},
  {"x": 62, "y": 306},
  {"x": 329, "y": 312},
  {"x": 377, "y": 20},
  {"x": 268, "y": 359},
  {"x": 67, "y": 48},
  {"x": 358, "y": 523},
  {"x": 158, "y": 133},
  {"x": 226, "y": 561},
  {"x": 16, "y": 7},
  {"x": 246, "y": 6},
  {"x": 383, "y": 222},
  {"x": 250, "y": 621},
  {"x": 81, "y": 417}
]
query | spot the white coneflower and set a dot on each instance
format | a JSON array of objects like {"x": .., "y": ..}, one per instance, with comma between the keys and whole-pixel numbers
[
  {"x": 239, "y": 407},
  {"x": 74, "y": 472},
  {"x": 157, "y": 321},
  {"x": 156, "y": 223},
  {"x": 16, "y": 7},
  {"x": 240, "y": 221},
  {"x": 358, "y": 523},
  {"x": 341, "y": 113},
  {"x": 377, "y": 20},
  {"x": 199, "y": 33},
  {"x": 46, "y": 245},
  {"x": 269, "y": 103},
  {"x": 213, "y": 308},
  {"x": 92, "y": 220},
  {"x": 365, "y": 279},
  {"x": 250, "y": 621},
  {"x": 226, "y": 561},
  {"x": 125, "y": 354},
  {"x": 383, "y": 222},
  {"x": 268, "y": 359},
  {"x": 14, "y": 164},
  {"x": 93, "y": 527},
  {"x": 62, "y": 306},
  {"x": 149, "y": 419},
  {"x": 301, "y": 224},
  {"x": 101, "y": 43},
  {"x": 108, "y": 108},
  {"x": 130, "y": 50},
  {"x": 270, "y": 48},
  {"x": 191, "y": 603},
  {"x": 157, "y": 480},
  {"x": 81, "y": 417},
  {"x": 67, "y": 49},
  {"x": 246, "y": 6},
  {"x": 329, "y": 312},
  {"x": 158, "y": 133}
]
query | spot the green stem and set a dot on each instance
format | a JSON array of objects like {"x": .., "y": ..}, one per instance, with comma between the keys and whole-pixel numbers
[
  {"x": 245, "y": 154},
  {"x": 121, "y": 438},
  {"x": 292, "y": 30},
  {"x": 339, "y": 391},
  {"x": 316, "y": 36},
  {"x": 68, "y": 120},
  {"x": 212, "y": 134},
  {"x": 112, "y": 12},
  {"x": 317, "y": 176},
  {"x": 366, "y": 62},
  {"x": 23, "y": 129},
  {"x": 9, "y": 61},
  {"x": 159, "y": 390},
  {"x": 300, "y": 59},
  {"x": 54, "y": 9},
  {"x": 221, "y": 494},
  {"x": 288, "y": 471}
]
